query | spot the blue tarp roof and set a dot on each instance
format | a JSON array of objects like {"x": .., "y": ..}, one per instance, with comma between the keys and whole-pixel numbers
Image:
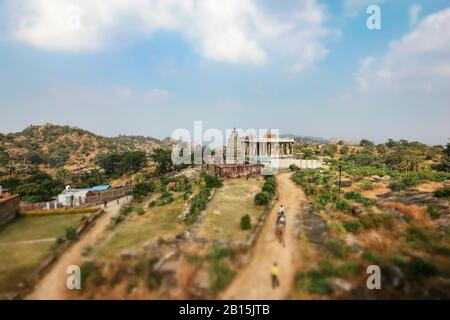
[{"x": 100, "y": 188}]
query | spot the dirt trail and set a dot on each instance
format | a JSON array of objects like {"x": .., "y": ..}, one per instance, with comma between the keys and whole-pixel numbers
[
  {"x": 253, "y": 282},
  {"x": 53, "y": 285}
]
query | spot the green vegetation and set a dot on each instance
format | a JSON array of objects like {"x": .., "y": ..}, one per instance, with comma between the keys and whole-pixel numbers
[
  {"x": 336, "y": 247},
  {"x": 118, "y": 164},
  {"x": 353, "y": 226},
  {"x": 157, "y": 222},
  {"x": 26, "y": 242},
  {"x": 443, "y": 192},
  {"x": 246, "y": 222},
  {"x": 225, "y": 211},
  {"x": 417, "y": 268},
  {"x": 353, "y": 195},
  {"x": 374, "y": 221},
  {"x": 269, "y": 190}
]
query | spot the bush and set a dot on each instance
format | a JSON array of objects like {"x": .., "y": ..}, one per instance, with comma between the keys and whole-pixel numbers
[
  {"x": 397, "y": 186},
  {"x": 221, "y": 276},
  {"x": 417, "y": 236},
  {"x": 371, "y": 257},
  {"x": 418, "y": 268},
  {"x": 443, "y": 192},
  {"x": 152, "y": 204},
  {"x": 198, "y": 204},
  {"x": 293, "y": 167},
  {"x": 246, "y": 223},
  {"x": 218, "y": 253},
  {"x": 139, "y": 211},
  {"x": 353, "y": 195},
  {"x": 70, "y": 233},
  {"x": 211, "y": 181},
  {"x": 433, "y": 212},
  {"x": 262, "y": 199},
  {"x": 313, "y": 282},
  {"x": 341, "y": 205},
  {"x": 367, "y": 186},
  {"x": 373, "y": 221},
  {"x": 142, "y": 190},
  {"x": 91, "y": 270},
  {"x": 269, "y": 188},
  {"x": 353, "y": 226},
  {"x": 336, "y": 247}
]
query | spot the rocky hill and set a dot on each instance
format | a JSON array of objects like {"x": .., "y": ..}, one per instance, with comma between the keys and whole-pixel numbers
[{"x": 51, "y": 146}]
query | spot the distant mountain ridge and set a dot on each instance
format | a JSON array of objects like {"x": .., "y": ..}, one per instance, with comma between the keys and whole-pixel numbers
[{"x": 305, "y": 139}]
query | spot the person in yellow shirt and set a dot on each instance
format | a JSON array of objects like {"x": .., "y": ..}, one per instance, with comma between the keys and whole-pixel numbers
[{"x": 275, "y": 273}]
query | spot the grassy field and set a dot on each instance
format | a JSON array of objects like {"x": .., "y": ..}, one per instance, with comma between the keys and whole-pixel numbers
[
  {"x": 26, "y": 242},
  {"x": 230, "y": 203},
  {"x": 156, "y": 222}
]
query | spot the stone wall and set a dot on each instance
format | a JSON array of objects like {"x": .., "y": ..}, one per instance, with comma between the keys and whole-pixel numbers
[
  {"x": 9, "y": 208},
  {"x": 237, "y": 170},
  {"x": 99, "y": 197}
]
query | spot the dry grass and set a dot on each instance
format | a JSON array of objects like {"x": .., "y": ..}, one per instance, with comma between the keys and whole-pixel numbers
[
  {"x": 418, "y": 213},
  {"x": 157, "y": 222},
  {"x": 230, "y": 203}
]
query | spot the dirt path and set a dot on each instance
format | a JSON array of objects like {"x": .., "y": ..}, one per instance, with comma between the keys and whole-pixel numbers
[
  {"x": 53, "y": 285},
  {"x": 253, "y": 282}
]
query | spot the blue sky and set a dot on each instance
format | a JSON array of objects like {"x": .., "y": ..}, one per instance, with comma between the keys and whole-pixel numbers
[{"x": 307, "y": 67}]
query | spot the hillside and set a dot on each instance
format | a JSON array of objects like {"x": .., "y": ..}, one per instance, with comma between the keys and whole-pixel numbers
[{"x": 51, "y": 146}]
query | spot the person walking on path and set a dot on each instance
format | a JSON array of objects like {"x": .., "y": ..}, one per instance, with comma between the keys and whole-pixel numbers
[{"x": 275, "y": 273}]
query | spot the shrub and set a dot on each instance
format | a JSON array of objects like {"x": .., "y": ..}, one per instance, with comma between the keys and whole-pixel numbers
[
  {"x": 443, "y": 192},
  {"x": 433, "y": 212},
  {"x": 353, "y": 195},
  {"x": 142, "y": 190},
  {"x": 269, "y": 188},
  {"x": 371, "y": 257},
  {"x": 397, "y": 186},
  {"x": 262, "y": 199},
  {"x": 341, "y": 205},
  {"x": 152, "y": 204},
  {"x": 198, "y": 204},
  {"x": 221, "y": 276},
  {"x": 139, "y": 211},
  {"x": 418, "y": 268},
  {"x": 246, "y": 223},
  {"x": 368, "y": 185},
  {"x": 353, "y": 226},
  {"x": 313, "y": 282},
  {"x": 416, "y": 236},
  {"x": 211, "y": 181},
  {"x": 373, "y": 221},
  {"x": 70, "y": 233},
  {"x": 125, "y": 209},
  {"x": 218, "y": 253},
  {"x": 293, "y": 167},
  {"x": 90, "y": 270},
  {"x": 336, "y": 247}
]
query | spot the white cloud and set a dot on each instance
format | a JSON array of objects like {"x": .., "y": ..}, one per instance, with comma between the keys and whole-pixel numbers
[
  {"x": 414, "y": 12},
  {"x": 233, "y": 31},
  {"x": 418, "y": 61}
]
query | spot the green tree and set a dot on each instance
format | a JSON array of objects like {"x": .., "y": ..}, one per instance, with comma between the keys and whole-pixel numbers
[{"x": 163, "y": 158}]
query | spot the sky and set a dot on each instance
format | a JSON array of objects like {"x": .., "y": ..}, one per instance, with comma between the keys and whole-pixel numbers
[{"x": 305, "y": 67}]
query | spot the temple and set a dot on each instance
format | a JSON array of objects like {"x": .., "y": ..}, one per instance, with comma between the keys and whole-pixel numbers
[
  {"x": 253, "y": 149},
  {"x": 249, "y": 155}
]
